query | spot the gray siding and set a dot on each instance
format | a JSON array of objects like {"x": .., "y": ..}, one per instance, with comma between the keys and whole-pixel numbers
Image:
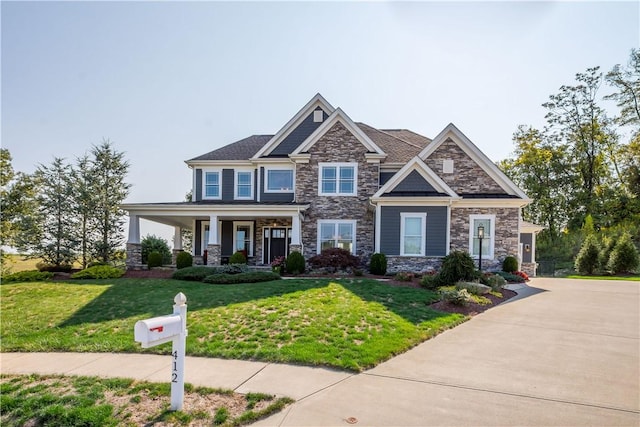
[
  {"x": 198, "y": 235},
  {"x": 436, "y": 229},
  {"x": 226, "y": 239},
  {"x": 228, "y": 178},
  {"x": 272, "y": 197},
  {"x": 412, "y": 183},
  {"x": 526, "y": 239},
  {"x": 298, "y": 135},
  {"x": 198, "y": 189},
  {"x": 385, "y": 176}
]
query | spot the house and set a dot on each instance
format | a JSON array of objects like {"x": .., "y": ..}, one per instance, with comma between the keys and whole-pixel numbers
[{"x": 325, "y": 181}]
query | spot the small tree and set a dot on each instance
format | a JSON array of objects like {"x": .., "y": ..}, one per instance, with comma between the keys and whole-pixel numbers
[
  {"x": 458, "y": 265},
  {"x": 295, "y": 263},
  {"x": 624, "y": 257},
  {"x": 151, "y": 243},
  {"x": 237, "y": 258},
  {"x": 587, "y": 259},
  {"x": 378, "y": 264}
]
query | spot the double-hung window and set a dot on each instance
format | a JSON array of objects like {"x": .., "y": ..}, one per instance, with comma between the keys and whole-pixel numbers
[
  {"x": 244, "y": 185},
  {"x": 279, "y": 181},
  {"x": 338, "y": 179},
  {"x": 212, "y": 185},
  {"x": 488, "y": 224},
  {"x": 413, "y": 234},
  {"x": 337, "y": 234}
]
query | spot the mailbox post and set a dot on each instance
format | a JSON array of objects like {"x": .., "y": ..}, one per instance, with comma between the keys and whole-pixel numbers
[{"x": 159, "y": 330}]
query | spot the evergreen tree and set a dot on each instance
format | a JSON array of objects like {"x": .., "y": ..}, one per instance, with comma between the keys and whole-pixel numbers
[{"x": 84, "y": 188}]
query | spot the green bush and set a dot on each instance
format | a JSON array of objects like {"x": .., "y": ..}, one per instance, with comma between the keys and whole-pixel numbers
[
  {"x": 238, "y": 258},
  {"x": 334, "y": 259},
  {"x": 184, "y": 260},
  {"x": 378, "y": 264},
  {"x": 510, "y": 264},
  {"x": 52, "y": 268},
  {"x": 98, "y": 272},
  {"x": 251, "y": 277},
  {"x": 431, "y": 281},
  {"x": 196, "y": 273},
  {"x": 587, "y": 259},
  {"x": 295, "y": 263},
  {"x": 154, "y": 259},
  {"x": 456, "y": 296},
  {"x": 232, "y": 269},
  {"x": 608, "y": 244},
  {"x": 624, "y": 257},
  {"x": 474, "y": 288},
  {"x": 495, "y": 281},
  {"x": 28, "y": 276},
  {"x": 403, "y": 276},
  {"x": 511, "y": 278},
  {"x": 456, "y": 266},
  {"x": 151, "y": 243}
]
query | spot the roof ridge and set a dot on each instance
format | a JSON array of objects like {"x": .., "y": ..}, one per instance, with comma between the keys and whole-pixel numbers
[{"x": 393, "y": 136}]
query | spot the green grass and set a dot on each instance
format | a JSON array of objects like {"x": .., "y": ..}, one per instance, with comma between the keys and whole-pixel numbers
[
  {"x": 349, "y": 324},
  {"x": 91, "y": 401},
  {"x": 628, "y": 278}
]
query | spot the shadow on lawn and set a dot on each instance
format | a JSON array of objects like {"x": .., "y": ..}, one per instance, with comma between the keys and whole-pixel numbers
[{"x": 149, "y": 298}]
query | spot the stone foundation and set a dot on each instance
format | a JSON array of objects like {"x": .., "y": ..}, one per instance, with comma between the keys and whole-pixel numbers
[
  {"x": 396, "y": 264},
  {"x": 213, "y": 254},
  {"x": 134, "y": 256},
  {"x": 529, "y": 268}
]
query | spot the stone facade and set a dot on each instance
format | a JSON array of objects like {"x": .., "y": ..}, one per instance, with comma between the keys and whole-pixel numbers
[
  {"x": 423, "y": 265},
  {"x": 529, "y": 268},
  {"x": 213, "y": 254},
  {"x": 261, "y": 224},
  {"x": 134, "y": 256},
  {"x": 467, "y": 177},
  {"x": 338, "y": 145}
]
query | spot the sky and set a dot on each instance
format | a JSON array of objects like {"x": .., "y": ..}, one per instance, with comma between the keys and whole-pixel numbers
[{"x": 168, "y": 81}]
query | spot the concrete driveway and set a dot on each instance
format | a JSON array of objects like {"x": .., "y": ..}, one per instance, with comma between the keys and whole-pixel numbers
[{"x": 565, "y": 355}]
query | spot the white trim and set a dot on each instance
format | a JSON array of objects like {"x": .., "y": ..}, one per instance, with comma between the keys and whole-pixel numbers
[
  {"x": 378, "y": 228},
  {"x": 338, "y": 166},
  {"x": 425, "y": 171},
  {"x": 251, "y": 183},
  {"x": 423, "y": 231},
  {"x": 492, "y": 234},
  {"x": 335, "y": 222},
  {"x": 204, "y": 184},
  {"x": 274, "y": 168},
  {"x": 252, "y": 242}
]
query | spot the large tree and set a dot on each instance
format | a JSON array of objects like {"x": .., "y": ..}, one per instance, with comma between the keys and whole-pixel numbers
[
  {"x": 84, "y": 188},
  {"x": 626, "y": 80}
]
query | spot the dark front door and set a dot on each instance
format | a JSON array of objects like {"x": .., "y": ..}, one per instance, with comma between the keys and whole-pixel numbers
[{"x": 277, "y": 243}]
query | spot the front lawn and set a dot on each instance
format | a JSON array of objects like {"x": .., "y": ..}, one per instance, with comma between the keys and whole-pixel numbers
[
  {"x": 349, "y": 324},
  {"x": 627, "y": 278}
]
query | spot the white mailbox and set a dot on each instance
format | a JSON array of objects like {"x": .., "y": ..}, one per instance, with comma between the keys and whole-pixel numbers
[{"x": 157, "y": 330}]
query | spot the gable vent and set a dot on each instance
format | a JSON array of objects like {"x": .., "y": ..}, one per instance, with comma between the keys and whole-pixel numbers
[
  {"x": 447, "y": 166},
  {"x": 318, "y": 116}
]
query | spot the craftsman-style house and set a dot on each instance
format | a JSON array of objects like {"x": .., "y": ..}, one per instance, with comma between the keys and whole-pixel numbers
[{"x": 325, "y": 181}]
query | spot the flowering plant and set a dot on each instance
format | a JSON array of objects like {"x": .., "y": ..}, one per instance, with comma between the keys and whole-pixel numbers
[{"x": 522, "y": 274}]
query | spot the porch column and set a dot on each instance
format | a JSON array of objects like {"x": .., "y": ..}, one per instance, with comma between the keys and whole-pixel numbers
[
  {"x": 213, "y": 245},
  {"x": 177, "y": 244},
  {"x": 134, "y": 248},
  {"x": 296, "y": 245}
]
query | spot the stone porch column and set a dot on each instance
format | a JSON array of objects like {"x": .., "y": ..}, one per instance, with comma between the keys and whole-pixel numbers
[
  {"x": 296, "y": 244},
  {"x": 214, "y": 251},
  {"x": 177, "y": 244},
  {"x": 134, "y": 248}
]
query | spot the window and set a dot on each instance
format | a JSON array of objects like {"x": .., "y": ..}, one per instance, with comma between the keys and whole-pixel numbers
[
  {"x": 336, "y": 234},
  {"x": 279, "y": 181},
  {"x": 212, "y": 185},
  {"x": 488, "y": 222},
  {"x": 338, "y": 179},
  {"x": 243, "y": 237},
  {"x": 413, "y": 234},
  {"x": 244, "y": 185}
]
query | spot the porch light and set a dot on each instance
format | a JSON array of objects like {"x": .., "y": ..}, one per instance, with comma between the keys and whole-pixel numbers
[{"x": 480, "y": 237}]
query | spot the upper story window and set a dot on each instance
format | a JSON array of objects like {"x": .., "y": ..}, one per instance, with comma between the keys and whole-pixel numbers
[
  {"x": 487, "y": 222},
  {"x": 244, "y": 185},
  {"x": 212, "y": 185},
  {"x": 337, "y": 179},
  {"x": 279, "y": 181}
]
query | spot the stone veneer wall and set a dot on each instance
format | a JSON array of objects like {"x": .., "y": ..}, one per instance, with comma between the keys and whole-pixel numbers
[
  {"x": 214, "y": 254},
  {"x": 423, "y": 265},
  {"x": 467, "y": 177},
  {"x": 134, "y": 256},
  {"x": 529, "y": 268},
  {"x": 506, "y": 233},
  {"x": 337, "y": 145}
]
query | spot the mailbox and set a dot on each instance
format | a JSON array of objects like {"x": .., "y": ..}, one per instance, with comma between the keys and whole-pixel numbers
[{"x": 157, "y": 330}]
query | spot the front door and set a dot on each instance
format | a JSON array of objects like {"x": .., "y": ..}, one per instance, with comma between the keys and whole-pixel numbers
[{"x": 276, "y": 244}]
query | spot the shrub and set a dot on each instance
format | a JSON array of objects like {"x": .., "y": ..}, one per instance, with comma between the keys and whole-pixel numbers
[
  {"x": 456, "y": 266},
  {"x": 195, "y": 273},
  {"x": 456, "y": 296},
  {"x": 151, "y": 243},
  {"x": 587, "y": 259},
  {"x": 295, "y": 263},
  {"x": 98, "y": 272},
  {"x": 378, "y": 264},
  {"x": 27, "y": 276},
  {"x": 431, "y": 281},
  {"x": 608, "y": 244},
  {"x": 522, "y": 274},
  {"x": 94, "y": 263},
  {"x": 52, "y": 268},
  {"x": 509, "y": 277},
  {"x": 334, "y": 259},
  {"x": 624, "y": 257},
  {"x": 237, "y": 258},
  {"x": 231, "y": 269},
  {"x": 510, "y": 264},
  {"x": 403, "y": 276},
  {"x": 358, "y": 272},
  {"x": 183, "y": 260},
  {"x": 473, "y": 288},
  {"x": 251, "y": 277},
  {"x": 495, "y": 281},
  {"x": 154, "y": 259}
]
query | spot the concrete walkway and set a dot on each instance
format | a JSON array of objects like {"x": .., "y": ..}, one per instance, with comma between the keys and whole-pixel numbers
[{"x": 563, "y": 353}]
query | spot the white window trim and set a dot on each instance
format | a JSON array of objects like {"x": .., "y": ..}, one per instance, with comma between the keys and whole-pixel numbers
[
  {"x": 492, "y": 235},
  {"x": 354, "y": 165},
  {"x": 423, "y": 237},
  {"x": 204, "y": 184},
  {"x": 236, "y": 224},
  {"x": 353, "y": 223},
  {"x": 266, "y": 180},
  {"x": 235, "y": 184}
]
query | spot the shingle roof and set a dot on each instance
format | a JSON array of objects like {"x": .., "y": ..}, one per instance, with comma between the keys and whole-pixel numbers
[
  {"x": 239, "y": 150},
  {"x": 410, "y": 136},
  {"x": 399, "y": 150}
]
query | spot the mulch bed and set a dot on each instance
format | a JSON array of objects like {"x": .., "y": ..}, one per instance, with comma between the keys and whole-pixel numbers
[{"x": 472, "y": 309}]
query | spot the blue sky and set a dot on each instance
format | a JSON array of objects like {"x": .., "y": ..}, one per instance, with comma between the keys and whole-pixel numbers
[{"x": 168, "y": 81}]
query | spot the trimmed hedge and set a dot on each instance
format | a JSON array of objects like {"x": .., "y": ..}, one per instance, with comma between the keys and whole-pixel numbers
[
  {"x": 27, "y": 276},
  {"x": 252, "y": 277},
  {"x": 195, "y": 274},
  {"x": 154, "y": 259},
  {"x": 510, "y": 264},
  {"x": 184, "y": 260},
  {"x": 98, "y": 272},
  {"x": 334, "y": 259}
]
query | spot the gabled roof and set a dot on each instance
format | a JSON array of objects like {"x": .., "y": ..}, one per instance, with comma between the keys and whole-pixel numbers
[
  {"x": 460, "y": 139},
  {"x": 409, "y": 136},
  {"x": 239, "y": 150},
  {"x": 398, "y": 150},
  {"x": 313, "y": 104},
  {"x": 416, "y": 164}
]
